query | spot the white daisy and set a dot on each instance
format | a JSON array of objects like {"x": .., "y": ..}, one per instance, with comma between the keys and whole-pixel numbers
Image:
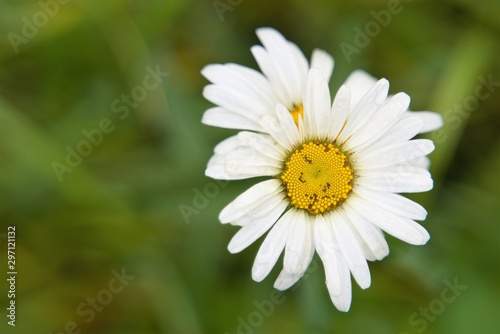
[
  {"x": 334, "y": 178},
  {"x": 243, "y": 95}
]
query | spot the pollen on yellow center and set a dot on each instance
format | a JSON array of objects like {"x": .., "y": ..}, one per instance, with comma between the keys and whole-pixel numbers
[
  {"x": 296, "y": 111},
  {"x": 317, "y": 177}
]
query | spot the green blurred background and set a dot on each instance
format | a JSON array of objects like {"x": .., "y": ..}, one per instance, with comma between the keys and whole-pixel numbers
[{"x": 121, "y": 206}]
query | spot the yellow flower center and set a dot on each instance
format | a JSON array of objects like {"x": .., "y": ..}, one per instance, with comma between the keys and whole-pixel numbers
[
  {"x": 317, "y": 177},
  {"x": 296, "y": 111}
]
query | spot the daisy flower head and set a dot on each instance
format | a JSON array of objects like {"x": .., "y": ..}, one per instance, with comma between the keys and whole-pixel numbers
[{"x": 335, "y": 173}]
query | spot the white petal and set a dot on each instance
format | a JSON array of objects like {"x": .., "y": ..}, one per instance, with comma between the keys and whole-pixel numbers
[
  {"x": 241, "y": 163},
  {"x": 261, "y": 143},
  {"x": 233, "y": 100},
  {"x": 432, "y": 121},
  {"x": 316, "y": 105},
  {"x": 394, "y": 203},
  {"x": 299, "y": 246},
  {"x": 282, "y": 128},
  {"x": 360, "y": 82},
  {"x": 371, "y": 235},
  {"x": 367, "y": 253},
  {"x": 422, "y": 162},
  {"x": 400, "y": 179},
  {"x": 302, "y": 67},
  {"x": 249, "y": 200},
  {"x": 287, "y": 124},
  {"x": 227, "y": 119},
  {"x": 244, "y": 79},
  {"x": 350, "y": 249},
  {"x": 402, "y": 228},
  {"x": 402, "y": 131},
  {"x": 337, "y": 274},
  {"x": 268, "y": 68},
  {"x": 255, "y": 226},
  {"x": 366, "y": 107},
  {"x": 339, "y": 111},
  {"x": 272, "y": 247},
  {"x": 285, "y": 280},
  {"x": 380, "y": 122},
  {"x": 227, "y": 145},
  {"x": 302, "y": 131},
  {"x": 393, "y": 154},
  {"x": 289, "y": 63},
  {"x": 245, "y": 155},
  {"x": 258, "y": 141},
  {"x": 324, "y": 62},
  {"x": 299, "y": 250}
]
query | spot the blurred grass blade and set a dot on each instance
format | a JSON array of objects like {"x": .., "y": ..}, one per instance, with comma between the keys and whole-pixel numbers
[{"x": 473, "y": 54}]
